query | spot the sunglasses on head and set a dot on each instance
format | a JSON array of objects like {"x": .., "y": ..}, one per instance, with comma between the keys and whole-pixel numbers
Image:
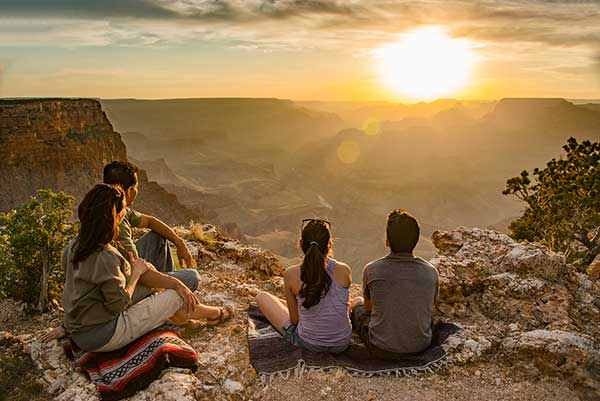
[{"x": 306, "y": 221}]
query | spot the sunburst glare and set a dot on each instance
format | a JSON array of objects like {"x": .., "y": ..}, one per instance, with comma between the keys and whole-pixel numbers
[{"x": 425, "y": 63}]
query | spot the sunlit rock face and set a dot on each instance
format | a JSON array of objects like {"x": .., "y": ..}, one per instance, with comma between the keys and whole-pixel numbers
[
  {"x": 53, "y": 143},
  {"x": 521, "y": 301},
  {"x": 63, "y": 144}
]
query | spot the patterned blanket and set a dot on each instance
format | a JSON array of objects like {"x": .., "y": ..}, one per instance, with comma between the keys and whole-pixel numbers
[
  {"x": 119, "y": 374},
  {"x": 271, "y": 355}
]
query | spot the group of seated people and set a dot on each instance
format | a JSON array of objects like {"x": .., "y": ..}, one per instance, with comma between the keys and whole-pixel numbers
[
  {"x": 394, "y": 315},
  {"x": 117, "y": 290}
]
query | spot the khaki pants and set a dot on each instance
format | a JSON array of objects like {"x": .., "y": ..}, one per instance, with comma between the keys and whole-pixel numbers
[{"x": 142, "y": 317}]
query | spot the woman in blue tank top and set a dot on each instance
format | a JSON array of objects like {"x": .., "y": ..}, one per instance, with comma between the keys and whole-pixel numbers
[{"x": 314, "y": 314}]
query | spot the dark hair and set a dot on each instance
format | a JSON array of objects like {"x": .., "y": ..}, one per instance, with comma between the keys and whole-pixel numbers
[
  {"x": 99, "y": 224},
  {"x": 402, "y": 231},
  {"x": 120, "y": 173},
  {"x": 314, "y": 242}
]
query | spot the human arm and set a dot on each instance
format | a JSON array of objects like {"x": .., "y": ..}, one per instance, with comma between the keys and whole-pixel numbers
[
  {"x": 116, "y": 289},
  {"x": 154, "y": 279},
  {"x": 290, "y": 296},
  {"x": 154, "y": 224},
  {"x": 366, "y": 293},
  {"x": 138, "y": 268}
]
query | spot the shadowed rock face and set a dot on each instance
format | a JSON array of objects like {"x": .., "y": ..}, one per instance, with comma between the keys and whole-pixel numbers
[{"x": 63, "y": 144}]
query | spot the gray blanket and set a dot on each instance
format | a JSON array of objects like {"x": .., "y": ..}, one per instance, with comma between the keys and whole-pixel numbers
[{"x": 272, "y": 355}]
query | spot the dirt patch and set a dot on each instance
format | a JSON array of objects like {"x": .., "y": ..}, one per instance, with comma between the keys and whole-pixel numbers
[{"x": 18, "y": 374}]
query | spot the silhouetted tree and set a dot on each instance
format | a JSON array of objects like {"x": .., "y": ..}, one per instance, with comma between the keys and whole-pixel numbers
[
  {"x": 31, "y": 241},
  {"x": 563, "y": 209}
]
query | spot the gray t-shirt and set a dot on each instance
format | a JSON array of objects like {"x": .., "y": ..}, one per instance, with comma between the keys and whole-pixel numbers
[{"x": 402, "y": 289}]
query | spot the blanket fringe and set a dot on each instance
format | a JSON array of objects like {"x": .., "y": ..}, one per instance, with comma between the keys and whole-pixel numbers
[{"x": 303, "y": 370}]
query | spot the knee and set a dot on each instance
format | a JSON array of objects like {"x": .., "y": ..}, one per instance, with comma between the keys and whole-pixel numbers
[
  {"x": 261, "y": 297},
  {"x": 172, "y": 299},
  {"x": 156, "y": 238},
  {"x": 194, "y": 280}
]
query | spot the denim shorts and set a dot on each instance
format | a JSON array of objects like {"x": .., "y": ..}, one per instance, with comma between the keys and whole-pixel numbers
[{"x": 291, "y": 334}]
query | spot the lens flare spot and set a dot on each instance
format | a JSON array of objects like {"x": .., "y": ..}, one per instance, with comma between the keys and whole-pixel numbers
[{"x": 348, "y": 152}]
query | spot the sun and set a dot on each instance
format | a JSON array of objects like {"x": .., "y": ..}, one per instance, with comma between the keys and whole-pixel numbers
[{"x": 425, "y": 64}]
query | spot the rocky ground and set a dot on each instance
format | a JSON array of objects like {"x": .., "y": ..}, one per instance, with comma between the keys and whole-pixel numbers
[{"x": 531, "y": 332}]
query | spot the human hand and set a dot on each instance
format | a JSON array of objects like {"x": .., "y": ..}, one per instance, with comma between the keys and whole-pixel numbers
[
  {"x": 184, "y": 255},
  {"x": 138, "y": 266},
  {"x": 53, "y": 334},
  {"x": 190, "y": 302}
]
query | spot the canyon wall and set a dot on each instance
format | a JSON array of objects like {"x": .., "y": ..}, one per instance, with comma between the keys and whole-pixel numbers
[{"x": 63, "y": 144}]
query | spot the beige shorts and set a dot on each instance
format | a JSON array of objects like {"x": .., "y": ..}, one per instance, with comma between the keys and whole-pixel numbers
[{"x": 142, "y": 317}]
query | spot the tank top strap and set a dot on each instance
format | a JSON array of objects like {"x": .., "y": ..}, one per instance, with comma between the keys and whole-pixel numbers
[{"x": 330, "y": 265}]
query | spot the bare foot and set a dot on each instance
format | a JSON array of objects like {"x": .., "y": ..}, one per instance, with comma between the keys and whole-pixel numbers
[
  {"x": 192, "y": 327},
  {"x": 53, "y": 334}
]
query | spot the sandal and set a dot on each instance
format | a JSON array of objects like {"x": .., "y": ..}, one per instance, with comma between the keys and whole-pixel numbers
[{"x": 225, "y": 313}]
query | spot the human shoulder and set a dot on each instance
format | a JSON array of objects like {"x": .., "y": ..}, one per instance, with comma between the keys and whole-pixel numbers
[
  {"x": 291, "y": 278},
  {"x": 342, "y": 274},
  {"x": 109, "y": 256},
  {"x": 377, "y": 263},
  {"x": 342, "y": 267},
  {"x": 425, "y": 264},
  {"x": 292, "y": 271},
  {"x": 102, "y": 265},
  {"x": 132, "y": 217}
]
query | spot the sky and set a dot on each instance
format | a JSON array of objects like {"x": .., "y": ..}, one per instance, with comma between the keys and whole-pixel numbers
[{"x": 293, "y": 49}]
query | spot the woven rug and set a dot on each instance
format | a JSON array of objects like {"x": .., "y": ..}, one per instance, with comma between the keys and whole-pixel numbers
[
  {"x": 272, "y": 355},
  {"x": 119, "y": 374}
]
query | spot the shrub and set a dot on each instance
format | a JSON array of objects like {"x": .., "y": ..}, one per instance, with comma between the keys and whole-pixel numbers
[
  {"x": 31, "y": 242},
  {"x": 563, "y": 204}
]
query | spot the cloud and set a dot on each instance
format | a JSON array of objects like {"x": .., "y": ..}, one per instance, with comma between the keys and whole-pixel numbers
[
  {"x": 294, "y": 24},
  {"x": 199, "y": 10},
  {"x": 85, "y": 9},
  {"x": 283, "y": 9}
]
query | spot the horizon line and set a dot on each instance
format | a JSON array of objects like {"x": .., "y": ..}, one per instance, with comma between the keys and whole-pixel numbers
[{"x": 293, "y": 100}]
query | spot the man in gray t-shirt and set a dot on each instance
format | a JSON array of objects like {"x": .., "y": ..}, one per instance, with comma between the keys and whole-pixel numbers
[{"x": 399, "y": 290}]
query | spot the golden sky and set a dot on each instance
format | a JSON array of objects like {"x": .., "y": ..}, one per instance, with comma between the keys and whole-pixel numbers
[{"x": 297, "y": 49}]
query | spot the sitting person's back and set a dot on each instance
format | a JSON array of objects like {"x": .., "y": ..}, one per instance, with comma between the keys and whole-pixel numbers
[
  {"x": 399, "y": 291},
  {"x": 326, "y": 323},
  {"x": 314, "y": 314},
  {"x": 402, "y": 289}
]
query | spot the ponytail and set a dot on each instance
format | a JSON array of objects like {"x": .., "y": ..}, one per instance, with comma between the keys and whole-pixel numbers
[{"x": 313, "y": 274}]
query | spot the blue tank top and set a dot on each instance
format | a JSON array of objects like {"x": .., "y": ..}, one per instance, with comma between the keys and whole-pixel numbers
[{"x": 326, "y": 323}]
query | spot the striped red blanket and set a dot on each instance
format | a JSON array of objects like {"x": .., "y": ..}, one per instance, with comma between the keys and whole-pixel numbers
[{"x": 119, "y": 374}]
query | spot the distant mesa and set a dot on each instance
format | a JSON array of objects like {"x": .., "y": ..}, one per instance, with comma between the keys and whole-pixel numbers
[{"x": 245, "y": 122}]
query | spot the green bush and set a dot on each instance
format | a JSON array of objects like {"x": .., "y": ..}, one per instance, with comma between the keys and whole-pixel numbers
[
  {"x": 31, "y": 242},
  {"x": 563, "y": 204}
]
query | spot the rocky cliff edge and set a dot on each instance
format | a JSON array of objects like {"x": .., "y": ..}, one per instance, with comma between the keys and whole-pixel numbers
[{"x": 530, "y": 330}]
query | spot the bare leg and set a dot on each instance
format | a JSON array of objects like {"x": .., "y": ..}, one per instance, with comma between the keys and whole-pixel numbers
[{"x": 274, "y": 309}]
